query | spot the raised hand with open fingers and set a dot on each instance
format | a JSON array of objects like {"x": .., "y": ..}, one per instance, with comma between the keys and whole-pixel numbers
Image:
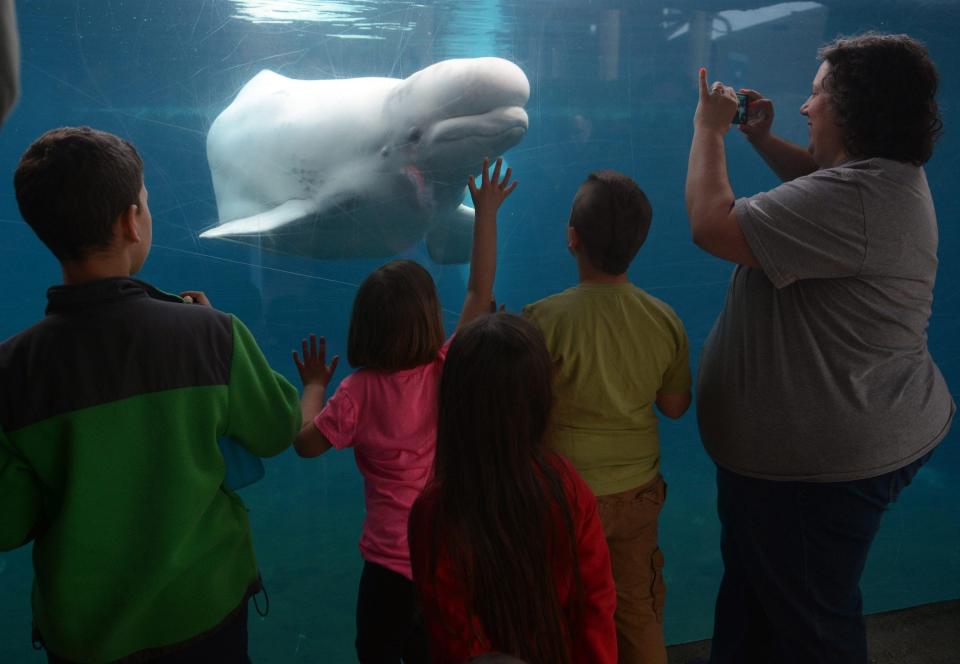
[
  {"x": 313, "y": 368},
  {"x": 492, "y": 191}
]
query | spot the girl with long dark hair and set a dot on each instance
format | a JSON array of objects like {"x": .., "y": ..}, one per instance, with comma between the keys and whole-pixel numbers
[{"x": 507, "y": 550}]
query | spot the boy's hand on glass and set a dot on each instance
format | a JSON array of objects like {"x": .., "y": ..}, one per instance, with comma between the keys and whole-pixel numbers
[
  {"x": 195, "y": 297},
  {"x": 313, "y": 368},
  {"x": 492, "y": 190}
]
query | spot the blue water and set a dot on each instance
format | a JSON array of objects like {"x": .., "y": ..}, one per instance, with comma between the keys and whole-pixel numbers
[{"x": 612, "y": 86}]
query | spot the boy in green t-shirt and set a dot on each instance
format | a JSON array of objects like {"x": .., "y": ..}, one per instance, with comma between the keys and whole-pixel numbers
[{"x": 618, "y": 352}]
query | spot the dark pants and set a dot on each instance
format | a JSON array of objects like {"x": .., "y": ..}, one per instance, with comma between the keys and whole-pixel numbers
[
  {"x": 389, "y": 628},
  {"x": 793, "y": 553},
  {"x": 225, "y": 644}
]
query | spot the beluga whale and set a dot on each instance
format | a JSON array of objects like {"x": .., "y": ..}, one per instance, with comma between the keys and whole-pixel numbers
[{"x": 362, "y": 167}]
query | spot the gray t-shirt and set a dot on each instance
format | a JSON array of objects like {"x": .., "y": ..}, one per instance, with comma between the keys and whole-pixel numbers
[{"x": 817, "y": 368}]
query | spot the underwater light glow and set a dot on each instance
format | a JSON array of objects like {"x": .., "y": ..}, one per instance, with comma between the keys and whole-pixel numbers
[{"x": 357, "y": 13}]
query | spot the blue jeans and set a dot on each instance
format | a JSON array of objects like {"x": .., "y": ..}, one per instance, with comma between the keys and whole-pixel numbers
[{"x": 793, "y": 553}]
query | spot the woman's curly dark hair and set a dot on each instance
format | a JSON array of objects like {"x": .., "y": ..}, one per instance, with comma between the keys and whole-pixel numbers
[{"x": 883, "y": 88}]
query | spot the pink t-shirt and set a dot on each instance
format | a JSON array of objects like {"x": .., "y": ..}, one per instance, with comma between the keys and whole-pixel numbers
[{"x": 390, "y": 419}]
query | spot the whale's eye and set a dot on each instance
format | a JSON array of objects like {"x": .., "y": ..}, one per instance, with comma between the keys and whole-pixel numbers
[
  {"x": 414, "y": 135},
  {"x": 385, "y": 152}
]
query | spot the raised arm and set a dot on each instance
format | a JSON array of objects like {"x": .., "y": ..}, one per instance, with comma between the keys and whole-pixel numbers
[
  {"x": 315, "y": 374},
  {"x": 709, "y": 197},
  {"x": 788, "y": 160},
  {"x": 9, "y": 59},
  {"x": 483, "y": 263}
]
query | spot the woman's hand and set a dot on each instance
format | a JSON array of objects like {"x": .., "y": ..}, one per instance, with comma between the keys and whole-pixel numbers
[
  {"x": 759, "y": 116},
  {"x": 314, "y": 371},
  {"x": 717, "y": 106}
]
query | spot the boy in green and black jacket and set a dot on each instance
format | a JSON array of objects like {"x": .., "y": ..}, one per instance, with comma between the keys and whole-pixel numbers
[{"x": 111, "y": 408}]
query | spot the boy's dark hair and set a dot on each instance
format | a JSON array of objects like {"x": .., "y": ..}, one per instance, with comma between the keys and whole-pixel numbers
[
  {"x": 72, "y": 184},
  {"x": 612, "y": 215},
  {"x": 883, "y": 89},
  {"x": 395, "y": 322},
  {"x": 502, "y": 515}
]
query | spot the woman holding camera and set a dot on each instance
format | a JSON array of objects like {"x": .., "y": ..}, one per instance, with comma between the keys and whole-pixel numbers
[{"x": 817, "y": 397}]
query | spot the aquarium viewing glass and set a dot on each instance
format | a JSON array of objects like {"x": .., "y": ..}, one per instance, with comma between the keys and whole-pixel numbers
[{"x": 612, "y": 85}]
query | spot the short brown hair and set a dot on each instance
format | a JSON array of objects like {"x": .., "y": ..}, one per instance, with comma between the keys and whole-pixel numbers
[
  {"x": 395, "y": 323},
  {"x": 72, "y": 184},
  {"x": 611, "y": 215},
  {"x": 883, "y": 90}
]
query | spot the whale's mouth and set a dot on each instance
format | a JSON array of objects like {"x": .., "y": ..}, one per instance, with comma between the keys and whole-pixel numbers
[{"x": 490, "y": 125}]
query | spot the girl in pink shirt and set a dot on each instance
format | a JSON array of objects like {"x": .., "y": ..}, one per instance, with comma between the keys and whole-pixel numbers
[{"x": 387, "y": 411}]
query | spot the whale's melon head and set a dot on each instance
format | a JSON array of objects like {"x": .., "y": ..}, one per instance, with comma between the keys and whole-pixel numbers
[{"x": 452, "y": 114}]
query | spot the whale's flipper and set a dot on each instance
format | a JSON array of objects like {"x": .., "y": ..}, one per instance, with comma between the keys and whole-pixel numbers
[
  {"x": 283, "y": 214},
  {"x": 450, "y": 240}
]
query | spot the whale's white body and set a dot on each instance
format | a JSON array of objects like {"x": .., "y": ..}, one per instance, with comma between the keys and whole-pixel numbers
[{"x": 365, "y": 166}]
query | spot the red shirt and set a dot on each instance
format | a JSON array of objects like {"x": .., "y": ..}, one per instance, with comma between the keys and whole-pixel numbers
[{"x": 593, "y": 639}]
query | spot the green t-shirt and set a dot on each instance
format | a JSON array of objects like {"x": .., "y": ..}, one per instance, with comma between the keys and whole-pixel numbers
[{"x": 616, "y": 347}]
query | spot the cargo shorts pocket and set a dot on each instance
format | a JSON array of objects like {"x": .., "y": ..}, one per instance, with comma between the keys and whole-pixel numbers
[
  {"x": 653, "y": 495},
  {"x": 658, "y": 589}
]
